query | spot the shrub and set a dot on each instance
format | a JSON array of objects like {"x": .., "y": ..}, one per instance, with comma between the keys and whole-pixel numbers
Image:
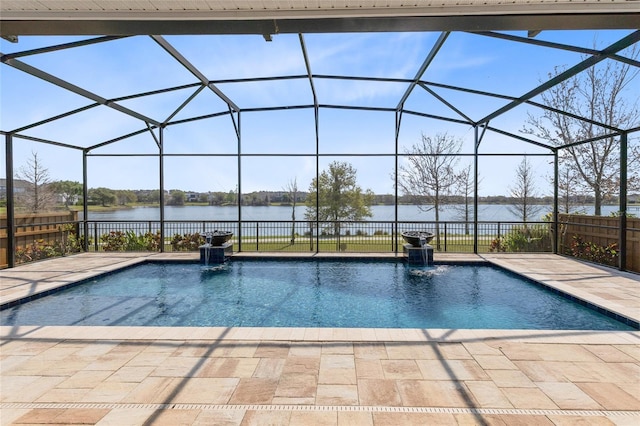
[
  {"x": 532, "y": 238},
  {"x": 130, "y": 241},
  {"x": 41, "y": 249},
  {"x": 606, "y": 255},
  {"x": 187, "y": 242},
  {"x": 113, "y": 241},
  {"x": 36, "y": 251},
  {"x": 71, "y": 242},
  {"x": 497, "y": 245}
]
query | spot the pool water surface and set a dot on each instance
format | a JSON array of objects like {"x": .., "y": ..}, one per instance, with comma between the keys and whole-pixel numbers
[{"x": 270, "y": 293}]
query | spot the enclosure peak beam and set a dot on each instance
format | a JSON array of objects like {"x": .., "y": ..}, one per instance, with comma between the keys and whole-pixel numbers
[
  {"x": 308, "y": 66},
  {"x": 430, "y": 57},
  {"x": 193, "y": 70},
  {"x": 587, "y": 63}
]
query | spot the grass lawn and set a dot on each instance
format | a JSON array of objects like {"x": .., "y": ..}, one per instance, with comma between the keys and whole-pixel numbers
[{"x": 376, "y": 244}]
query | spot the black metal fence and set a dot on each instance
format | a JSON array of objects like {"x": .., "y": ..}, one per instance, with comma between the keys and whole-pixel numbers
[{"x": 304, "y": 236}]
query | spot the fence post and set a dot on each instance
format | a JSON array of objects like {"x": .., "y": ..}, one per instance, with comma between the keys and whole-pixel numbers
[
  {"x": 95, "y": 236},
  {"x": 257, "y": 236},
  {"x": 9, "y": 191},
  {"x": 445, "y": 236},
  {"x": 394, "y": 237},
  {"x": 622, "y": 230}
]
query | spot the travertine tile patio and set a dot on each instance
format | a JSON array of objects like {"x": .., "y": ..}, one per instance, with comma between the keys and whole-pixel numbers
[{"x": 246, "y": 376}]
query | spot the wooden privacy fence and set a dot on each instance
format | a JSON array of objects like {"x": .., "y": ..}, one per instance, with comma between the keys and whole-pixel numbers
[
  {"x": 602, "y": 231},
  {"x": 34, "y": 227}
]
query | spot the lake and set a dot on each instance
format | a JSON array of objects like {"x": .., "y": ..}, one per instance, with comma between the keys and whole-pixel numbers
[{"x": 487, "y": 212}]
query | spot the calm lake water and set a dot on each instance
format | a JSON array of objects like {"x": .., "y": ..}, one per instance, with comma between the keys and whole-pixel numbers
[{"x": 487, "y": 212}]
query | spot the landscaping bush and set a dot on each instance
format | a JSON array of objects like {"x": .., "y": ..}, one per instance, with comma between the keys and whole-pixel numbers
[
  {"x": 187, "y": 242},
  {"x": 130, "y": 241},
  {"x": 41, "y": 249},
  {"x": 532, "y": 238},
  {"x": 606, "y": 255},
  {"x": 36, "y": 251},
  {"x": 497, "y": 245}
]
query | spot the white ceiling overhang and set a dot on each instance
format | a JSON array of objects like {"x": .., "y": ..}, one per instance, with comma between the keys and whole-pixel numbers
[{"x": 117, "y": 17}]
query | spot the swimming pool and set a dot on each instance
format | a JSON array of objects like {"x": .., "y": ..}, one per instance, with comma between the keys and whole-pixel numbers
[{"x": 305, "y": 293}]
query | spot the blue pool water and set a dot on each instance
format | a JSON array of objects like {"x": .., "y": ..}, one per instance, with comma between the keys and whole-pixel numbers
[{"x": 310, "y": 294}]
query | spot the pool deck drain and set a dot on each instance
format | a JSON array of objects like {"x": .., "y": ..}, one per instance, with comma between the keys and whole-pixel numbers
[
  {"x": 633, "y": 415},
  {"x": 181, "y": 375}
]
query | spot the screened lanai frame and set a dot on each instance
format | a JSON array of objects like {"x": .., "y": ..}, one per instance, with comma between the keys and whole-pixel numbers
[{"x": 156, "y": 128}]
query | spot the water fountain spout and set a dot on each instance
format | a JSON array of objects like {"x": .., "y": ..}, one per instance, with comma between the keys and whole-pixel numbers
[
  {"x": 417, "y": 249},
  {"x": 217, "y": 247}
]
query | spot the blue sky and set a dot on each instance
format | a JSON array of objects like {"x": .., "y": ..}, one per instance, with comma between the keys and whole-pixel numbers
[{"x": 138, "y": 64}]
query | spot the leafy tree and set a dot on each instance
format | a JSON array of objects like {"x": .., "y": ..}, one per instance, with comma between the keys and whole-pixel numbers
[
  {"x": 125, "y": 196},
  {"x": 217, "y": 198},
  {"x": 523, "y": 192},
  {"x": 150, "y": 197},
  {"x": 176, "y": 198},
  {"x": 429, "y": 174},
  {"x": 103, "y": 196},
  {"x": 291, "y": 189},
  {"x": 38, "y": 197},
  {"x": 339, "y": 195},
  {"x": 598, "y": 94},
  {"x": 70, "y": 191},
  {"x": 231, "y": 197}
]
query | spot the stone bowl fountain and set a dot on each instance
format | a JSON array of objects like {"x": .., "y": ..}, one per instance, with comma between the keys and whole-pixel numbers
[
  {"x": 418, "y": 238},
  {"x": 218, "y": 238}
]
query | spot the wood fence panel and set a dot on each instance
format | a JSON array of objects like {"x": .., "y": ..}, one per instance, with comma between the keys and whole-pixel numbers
[
  {"x": 33, "y": 227},
  {"x": 603, "y": 231}
]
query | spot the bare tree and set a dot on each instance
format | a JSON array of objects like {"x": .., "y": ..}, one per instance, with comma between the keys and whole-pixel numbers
[
  {"x": 38, "y": 197},
  {"x": 430, "y": 173},
  {"x": 523, "y": 192},
  {"x": 292, "y": 190},
  {"x": 464, "y": 187},
  {"x": 570, "y": 192},
  {"x": 598, "y": 94},
  {"x": 633, "y": 181}
]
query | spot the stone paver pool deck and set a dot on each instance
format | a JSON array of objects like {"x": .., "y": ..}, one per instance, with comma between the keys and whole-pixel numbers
[{"x": 291, "y": 376}]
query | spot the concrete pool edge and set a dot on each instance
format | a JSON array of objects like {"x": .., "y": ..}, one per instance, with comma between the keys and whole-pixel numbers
[{"x": 293, "y": 334}]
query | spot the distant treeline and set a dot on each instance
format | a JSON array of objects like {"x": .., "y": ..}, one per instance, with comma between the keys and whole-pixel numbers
[{"x": 266, "y": 198}]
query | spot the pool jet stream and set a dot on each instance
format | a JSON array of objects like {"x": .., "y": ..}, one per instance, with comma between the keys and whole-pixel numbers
[{"x": 207, "y": 247}]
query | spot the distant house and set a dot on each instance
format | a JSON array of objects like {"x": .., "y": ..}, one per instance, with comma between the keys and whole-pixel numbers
[
  {"x": 19, "y": 187},
  {"x": 192, "y": 197}
]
